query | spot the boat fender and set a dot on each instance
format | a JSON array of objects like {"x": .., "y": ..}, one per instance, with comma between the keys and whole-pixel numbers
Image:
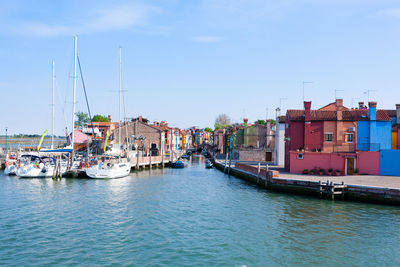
[
  {"x": 44, "y": 170},
  {"x": 87, "y": 165}
]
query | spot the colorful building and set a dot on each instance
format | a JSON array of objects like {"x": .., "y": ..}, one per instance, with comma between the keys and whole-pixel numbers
[{"x": 327, "y": 138}]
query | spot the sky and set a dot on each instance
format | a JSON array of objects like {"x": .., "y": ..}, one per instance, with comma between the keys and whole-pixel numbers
[{"x": 186, "y": 61}]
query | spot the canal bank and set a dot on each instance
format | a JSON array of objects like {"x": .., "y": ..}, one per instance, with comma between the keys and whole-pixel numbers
[{"x": 375, "y": 189}]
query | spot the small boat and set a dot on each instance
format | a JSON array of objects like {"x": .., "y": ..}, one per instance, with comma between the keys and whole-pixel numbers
[
  {"x": 11, "y": 169},
  {"x": 178, "y": 164},
  {"x": 209, "y": 164},
  {"x": 109, "y": 170}
]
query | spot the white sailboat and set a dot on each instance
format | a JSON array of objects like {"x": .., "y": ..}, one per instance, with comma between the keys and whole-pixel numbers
[
  {"x": 11, "y": 169},
  {"x": 38, "y": 167},
  {"x": 112, "y": 170}
]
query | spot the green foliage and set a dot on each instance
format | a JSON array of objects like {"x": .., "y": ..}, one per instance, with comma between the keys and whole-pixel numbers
[
  {"x": 83, "y": 119},
  {"x": 100, "y": 118},
  {"x": 261, "y": 122},
  {"x": 208, "y": 129},
  {"x": 273, "y": 122}
]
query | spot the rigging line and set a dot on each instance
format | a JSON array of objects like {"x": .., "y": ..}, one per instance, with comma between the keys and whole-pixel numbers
[{"x": 87, "y": 102}]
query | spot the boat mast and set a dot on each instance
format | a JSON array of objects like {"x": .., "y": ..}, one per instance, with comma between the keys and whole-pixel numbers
[
  {"x": 120, "y": 95},
  {"x": 74, "y": 95},
  {"x": 52, "y": 107}
]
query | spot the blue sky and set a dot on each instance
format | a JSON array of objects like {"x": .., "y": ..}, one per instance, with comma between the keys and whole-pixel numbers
[{"x": 188, "y": 61}]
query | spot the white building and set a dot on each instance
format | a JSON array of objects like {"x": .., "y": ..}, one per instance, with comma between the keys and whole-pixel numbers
[{"x": 280, "y": 139}]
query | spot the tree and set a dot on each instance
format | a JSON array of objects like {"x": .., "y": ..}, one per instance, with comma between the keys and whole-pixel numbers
[
  {"x": 83, "y": 119},
  {"x": 100, "y": 118},
  {"x": 208, "y": 129},
  {"x": 222, "y": 121},
  {"x": 261, "y": 122}
]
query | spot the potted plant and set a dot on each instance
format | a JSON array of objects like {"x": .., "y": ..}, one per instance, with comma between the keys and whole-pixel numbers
[
  {"x": 312, "y": 172},
  {"x": 355, "y": 171},
  {"x": 321, "y": 171},
  {"x": 305, "y": 171},
  {"x": 330, "y": 171},
  {"x": 338, "y": 172}
]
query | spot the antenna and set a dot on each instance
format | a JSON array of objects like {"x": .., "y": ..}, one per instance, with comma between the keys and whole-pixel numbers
[
  {"x": 280, "y": 101},
  {"x": 303, "y": 88},
  {"x": 369, "y": 91},
  {"x": 337, "y": 90}
]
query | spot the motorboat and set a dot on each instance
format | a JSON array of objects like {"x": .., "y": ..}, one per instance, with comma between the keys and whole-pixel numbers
[
  {"x": 178, "y": 164},
  {"x": 109, "y": 170},
  {"x": 209, "y": 164}
]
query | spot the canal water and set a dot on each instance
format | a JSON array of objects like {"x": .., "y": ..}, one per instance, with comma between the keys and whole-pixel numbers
[{"x": 186, "y": 217}]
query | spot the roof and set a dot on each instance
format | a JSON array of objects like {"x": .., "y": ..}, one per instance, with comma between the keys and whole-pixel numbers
[
  {"x": 282, "y": 119},
  {"x": 391, "y": 112},
  {"x": 347, "y": 115}
]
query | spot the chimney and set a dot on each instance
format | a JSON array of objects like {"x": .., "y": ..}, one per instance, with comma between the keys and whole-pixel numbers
[
  {"x": 140, "y": 118},
  {"x": 397, "y": 113},
  {"x": 307, "y": 110},
  {"x": 278, "y": 113},
  {"x": 339, "y": 103},
  {"x": 307, "y": 124},
  {"x": 109, "y": 118},
  {"x": 245, "y": 121},
  {"x": 361, "y": 105},
  {"x": 372, "y": 111}
]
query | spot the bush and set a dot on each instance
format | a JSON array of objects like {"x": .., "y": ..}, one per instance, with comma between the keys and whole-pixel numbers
[
  {"x": 312, "y": 172},
  {"x": 305, "y": 171},
  {"x": 330, "y": 170},
  {"x": 321, "y": 171},
  {"x": 338, "y": 172}
]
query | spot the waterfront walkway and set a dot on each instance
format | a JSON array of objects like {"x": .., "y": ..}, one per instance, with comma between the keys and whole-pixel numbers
[{"x": 357, "y": 187}]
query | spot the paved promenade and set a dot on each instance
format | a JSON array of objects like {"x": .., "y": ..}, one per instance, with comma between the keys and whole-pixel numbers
[{"x": 390, "y": 182}]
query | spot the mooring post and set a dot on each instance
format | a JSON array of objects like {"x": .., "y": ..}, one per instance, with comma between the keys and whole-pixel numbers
[
  {"x": 258, "y": 172},
  {"x": 150, "y": 160},
  {"x": 226, "y": 161}
]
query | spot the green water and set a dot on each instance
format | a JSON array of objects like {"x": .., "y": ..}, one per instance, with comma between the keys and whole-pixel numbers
[{"x": 186, "y": 217}]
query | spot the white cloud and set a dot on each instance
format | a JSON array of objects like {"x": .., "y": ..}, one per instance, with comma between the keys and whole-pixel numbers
[
  {"x": 116, "y": 18},
  {"x": 207, "y": 39},
  {"x": 390, "y": 12}
]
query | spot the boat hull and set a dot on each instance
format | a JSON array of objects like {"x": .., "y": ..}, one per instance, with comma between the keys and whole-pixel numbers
[{"x": 104, "y": 172}]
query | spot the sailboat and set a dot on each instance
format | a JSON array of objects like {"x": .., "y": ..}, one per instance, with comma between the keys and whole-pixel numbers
[
  {"x": 41, "y": 167},
  {"x": 118, "y": 169}
]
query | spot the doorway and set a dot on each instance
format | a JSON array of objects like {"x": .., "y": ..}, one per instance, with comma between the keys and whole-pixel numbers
[{"x": 350, "y": 165}]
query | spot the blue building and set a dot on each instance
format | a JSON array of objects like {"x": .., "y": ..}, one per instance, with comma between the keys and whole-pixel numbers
[{"x": 374, "y": 129}]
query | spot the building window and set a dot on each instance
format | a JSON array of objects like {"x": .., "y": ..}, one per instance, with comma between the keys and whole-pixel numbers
[
  {"x": 349, "y": 137},
  {"x": 328, "y": 137},
  {"x": 300, "y": 156}
]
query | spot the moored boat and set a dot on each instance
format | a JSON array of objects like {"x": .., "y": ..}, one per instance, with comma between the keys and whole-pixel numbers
[{"x": 178, "y": 164}]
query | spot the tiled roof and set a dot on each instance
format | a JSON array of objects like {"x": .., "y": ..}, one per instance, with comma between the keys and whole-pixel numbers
[
  {"x": 347, "y": 115},
  {"x": 391, "y": 112}
]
